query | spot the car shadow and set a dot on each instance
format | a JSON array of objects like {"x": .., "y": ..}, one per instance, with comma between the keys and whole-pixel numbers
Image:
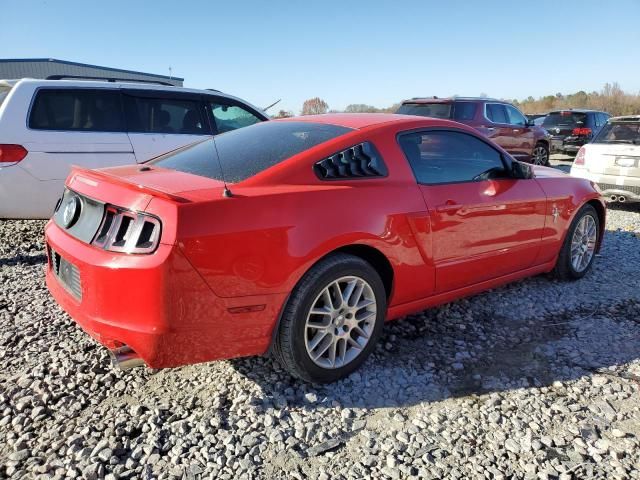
[
  {"x": 624, "y": 207},
  {"x": 492, "y": 342},
  {"x": 418, "y": 361},
  {"x": 23, "y": 260}
]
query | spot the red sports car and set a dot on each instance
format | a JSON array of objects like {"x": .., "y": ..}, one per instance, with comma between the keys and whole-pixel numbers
[{"x": 302, "y": 236}]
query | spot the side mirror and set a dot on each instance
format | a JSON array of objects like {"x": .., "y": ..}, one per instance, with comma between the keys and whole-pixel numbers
[
  {"x": 520, "y": 171},
  {"x": 530, "y": 123}
]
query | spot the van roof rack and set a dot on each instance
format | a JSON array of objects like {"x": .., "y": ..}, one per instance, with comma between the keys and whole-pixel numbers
[{"x": 107, "y": 79}]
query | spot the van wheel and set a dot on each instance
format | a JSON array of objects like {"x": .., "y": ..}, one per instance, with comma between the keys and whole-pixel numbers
[
  {"x": 332, "y": 320},
  {"x": 579, "y": 247},
  {"x": 540, "y": 155}
]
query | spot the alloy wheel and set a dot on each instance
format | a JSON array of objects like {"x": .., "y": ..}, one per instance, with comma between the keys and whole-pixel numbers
[
  {"x": 540, "y": 156},
  {"x": 340, "y": 322},
  {"x": 583, "y": 243}
]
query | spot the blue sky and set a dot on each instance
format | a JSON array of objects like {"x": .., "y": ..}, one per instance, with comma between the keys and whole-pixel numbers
[{"x": 374, "y": 52}]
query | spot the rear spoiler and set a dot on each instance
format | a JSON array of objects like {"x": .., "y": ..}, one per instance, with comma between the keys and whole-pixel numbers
[{"x": 97, "y": 175}]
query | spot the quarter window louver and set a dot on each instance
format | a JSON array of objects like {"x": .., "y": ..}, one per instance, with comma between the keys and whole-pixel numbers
[{"x": 359, "y": 161}]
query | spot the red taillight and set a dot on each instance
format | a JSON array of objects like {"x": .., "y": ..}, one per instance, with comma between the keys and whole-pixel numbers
[
  {"x": 581, "y": 131},
  {"x": 10, "y": 153},
  {"x": 128, "y": 232},
  {"x": 580, "y": 157}
]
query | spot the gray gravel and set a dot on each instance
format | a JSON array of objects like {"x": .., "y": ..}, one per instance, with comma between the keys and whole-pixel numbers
[{"x": 536, "y": 380}]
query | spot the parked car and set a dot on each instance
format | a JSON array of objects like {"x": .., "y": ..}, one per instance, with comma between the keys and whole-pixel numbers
[
  {"x": 536, "y": 118},
  {"x": 48, "y": 125},
  {"x": 498, "y": 120},
  {"x": 303, "y": 235},
  {"x": 612, "y": 159},
  {"x": 570, "y": 129}
]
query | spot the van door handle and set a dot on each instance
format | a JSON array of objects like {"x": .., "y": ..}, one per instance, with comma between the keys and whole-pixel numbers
[{"x": 449, "y": 207}]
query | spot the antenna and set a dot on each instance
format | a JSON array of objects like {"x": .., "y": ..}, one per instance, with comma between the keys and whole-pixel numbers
[
  {"x": 226, "y": 192},
  {"x": 273, "y": 104}
]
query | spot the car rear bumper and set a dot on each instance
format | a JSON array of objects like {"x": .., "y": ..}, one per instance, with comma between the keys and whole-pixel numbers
[
  {"x": 566, "y": 145},
  {"x": 614, "y": 188},
  {"x": 158, "y": 305}
]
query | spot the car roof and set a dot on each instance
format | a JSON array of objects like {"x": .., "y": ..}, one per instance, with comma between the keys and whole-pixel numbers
[
  {"x": 359, "y": 121},
  {"x": 625, "y": 118},
  {"x": 452, "y": 99},
  {"x": 109, "y": 84},
  {"x": 576, "y": 110},
  {"x": 123, "y": 84}
]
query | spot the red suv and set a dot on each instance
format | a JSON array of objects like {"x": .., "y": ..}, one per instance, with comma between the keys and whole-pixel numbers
[{"x": 500, "y": 121}]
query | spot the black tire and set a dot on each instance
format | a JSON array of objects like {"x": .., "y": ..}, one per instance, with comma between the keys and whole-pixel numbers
[
  {"x": 289, "y": 345},
  {"x": 564, "y": 269},
  {"x": 545, "y": 147}
]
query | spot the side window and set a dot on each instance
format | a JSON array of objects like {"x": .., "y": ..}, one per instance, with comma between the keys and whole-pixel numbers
[
  {"x": 90, "y": 110},
  {"x": 231, "y": 117},
  {"x": 515, "y": 117},
  {"x": 464, "y": 110},
  {"x": 497, "y": 113},
  {"x": 164, "y": 115},
  {"x": 441, "y": 156}
]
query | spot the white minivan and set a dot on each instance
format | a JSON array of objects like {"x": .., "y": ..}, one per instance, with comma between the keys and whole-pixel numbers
[{"x": 48, "y": 125}]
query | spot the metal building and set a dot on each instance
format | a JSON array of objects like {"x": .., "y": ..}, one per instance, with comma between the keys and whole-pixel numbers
[{"x": 14, "y": 68}]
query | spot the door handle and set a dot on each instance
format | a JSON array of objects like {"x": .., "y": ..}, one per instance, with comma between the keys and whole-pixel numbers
[
  {"x": 448, "y": 207},
  {"x": 516, "y": 130}
]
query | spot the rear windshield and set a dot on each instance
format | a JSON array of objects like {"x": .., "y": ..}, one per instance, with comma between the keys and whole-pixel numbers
[
  {"x": 573, "y": 119},
  {"x": 619, "y": 132},
  {"x": 248, "y": 151},
  {"x": 435, "y": 110}
]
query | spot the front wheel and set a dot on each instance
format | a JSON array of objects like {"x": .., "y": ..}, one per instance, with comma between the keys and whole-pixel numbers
[
  {"x": 579, "y": 248},
  {"x": 540, "y": 155},
  {"x": 332, "y": 321}
]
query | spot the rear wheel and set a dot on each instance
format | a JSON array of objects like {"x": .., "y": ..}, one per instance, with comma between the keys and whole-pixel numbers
[
  {"x": 540, "y": 154},
  {"x": 579, "y": 248},
  {"x": 332, "y": 320}
]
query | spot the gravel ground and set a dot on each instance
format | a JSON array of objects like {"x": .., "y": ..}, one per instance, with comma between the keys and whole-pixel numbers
[{"x": 536, "y": 380}]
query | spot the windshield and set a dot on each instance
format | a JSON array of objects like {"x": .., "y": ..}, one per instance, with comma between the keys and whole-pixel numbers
[
  {"x": 435, "y": 110},
  {"x": 619, "y": 132},
  {"x": 250, "y": 150},
  {"x": 572, "y": 119}
]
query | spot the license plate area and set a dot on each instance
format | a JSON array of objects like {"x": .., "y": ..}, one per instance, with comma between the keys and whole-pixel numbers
[
  {"x": 626, "y": 162},
  {"x": 67, "y": 273}
]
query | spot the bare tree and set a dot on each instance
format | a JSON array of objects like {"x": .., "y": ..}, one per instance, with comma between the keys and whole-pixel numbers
[
  {"x": 611, "y": 99},
  {"x": 283, "y": 114},
  {"x": 361, "y": 108},
  {"x": 314, "y": 106}
]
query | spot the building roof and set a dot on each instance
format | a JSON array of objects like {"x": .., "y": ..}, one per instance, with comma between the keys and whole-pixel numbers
[{"x": 87, "y": 65}]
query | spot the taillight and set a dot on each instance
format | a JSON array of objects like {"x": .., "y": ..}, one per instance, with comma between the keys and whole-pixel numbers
[
  {"x": 584, "y": 132},
  {"x": 10, "y": 153},
  {"x": 580, "y": 157},
  {"x": 128, "y": 232}
]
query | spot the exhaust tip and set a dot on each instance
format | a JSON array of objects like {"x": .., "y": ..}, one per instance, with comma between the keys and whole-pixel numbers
[
  {"x": 125, "y": 358},
  {"x": 613, "y": 198},
  {"x": 622, "y": 199}
]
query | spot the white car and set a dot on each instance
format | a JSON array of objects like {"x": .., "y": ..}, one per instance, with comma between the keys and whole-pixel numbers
[
  {"x": 48, "y": 125},
  {"x": 612, "y": 159}
]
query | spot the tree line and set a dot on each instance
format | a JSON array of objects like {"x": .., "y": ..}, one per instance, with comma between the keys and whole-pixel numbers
[{"x": 611, "y": 98}]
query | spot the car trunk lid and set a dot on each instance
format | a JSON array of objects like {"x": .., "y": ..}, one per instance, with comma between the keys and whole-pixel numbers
[
  {"x": 133, "y": 185},
  {"x": 613, "y": 159}
]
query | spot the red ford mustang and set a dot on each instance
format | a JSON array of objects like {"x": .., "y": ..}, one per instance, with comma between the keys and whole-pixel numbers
[{"x": 301, "y": 237}]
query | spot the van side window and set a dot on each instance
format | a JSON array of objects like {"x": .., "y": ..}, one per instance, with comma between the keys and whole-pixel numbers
[
  {"x": 90, "y": 110},
  {"x": 231, "y": 117},
  {"x": 164, "y": 115}
]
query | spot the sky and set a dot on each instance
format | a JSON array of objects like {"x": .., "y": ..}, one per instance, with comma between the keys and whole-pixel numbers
[{"x": 348, "y": 51}]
